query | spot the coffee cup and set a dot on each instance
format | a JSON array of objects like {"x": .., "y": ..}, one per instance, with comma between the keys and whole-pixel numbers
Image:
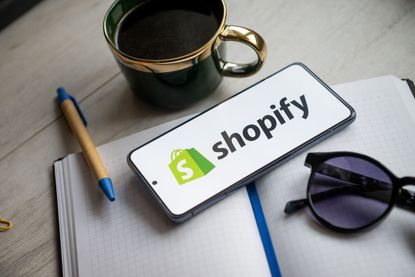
[{"x": 171, "y": 51}]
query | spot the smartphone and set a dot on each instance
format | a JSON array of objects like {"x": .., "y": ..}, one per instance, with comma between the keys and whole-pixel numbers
[{"x": 203, "y": 160}]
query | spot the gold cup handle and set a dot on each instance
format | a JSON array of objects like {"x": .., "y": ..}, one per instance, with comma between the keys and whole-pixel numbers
[{"x": 250, "y": 38}]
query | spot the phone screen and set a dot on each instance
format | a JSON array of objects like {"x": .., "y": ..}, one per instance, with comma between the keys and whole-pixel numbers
[{"x": 194, "y": 162}]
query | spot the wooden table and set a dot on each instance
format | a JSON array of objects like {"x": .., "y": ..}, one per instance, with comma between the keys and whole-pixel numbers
[{"x": 60, "y": 43}]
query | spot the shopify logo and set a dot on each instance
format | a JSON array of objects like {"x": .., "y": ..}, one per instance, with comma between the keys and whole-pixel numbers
[
  {"x": 265, "y": 126},
  {"x": 188, "y": 165}
]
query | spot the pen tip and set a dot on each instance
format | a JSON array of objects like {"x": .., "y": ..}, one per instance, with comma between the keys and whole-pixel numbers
[{"x": 106, "y": 185}]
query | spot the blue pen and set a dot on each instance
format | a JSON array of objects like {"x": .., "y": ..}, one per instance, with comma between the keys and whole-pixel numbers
[{"x": 77, "y": 122}]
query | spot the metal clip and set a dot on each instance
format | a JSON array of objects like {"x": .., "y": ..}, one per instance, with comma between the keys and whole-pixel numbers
[{"x": 5, "y": 224}]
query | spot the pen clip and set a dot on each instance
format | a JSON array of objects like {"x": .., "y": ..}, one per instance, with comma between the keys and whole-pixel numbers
[
  {"x": 81, "y": 114},
  {"x": 63, "y": 95}
]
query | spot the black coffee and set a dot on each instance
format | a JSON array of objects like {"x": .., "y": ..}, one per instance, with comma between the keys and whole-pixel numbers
[{"x": 167, "y": 29}]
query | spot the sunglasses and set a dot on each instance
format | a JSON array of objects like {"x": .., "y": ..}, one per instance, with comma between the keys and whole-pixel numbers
[{"x": 349, "y": 192}]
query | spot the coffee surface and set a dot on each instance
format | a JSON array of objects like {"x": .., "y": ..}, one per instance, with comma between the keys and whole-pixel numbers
[{"x": 159, "y": 30}]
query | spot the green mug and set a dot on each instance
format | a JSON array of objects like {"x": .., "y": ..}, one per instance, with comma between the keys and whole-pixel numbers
[{"x": 178, "y": 82}]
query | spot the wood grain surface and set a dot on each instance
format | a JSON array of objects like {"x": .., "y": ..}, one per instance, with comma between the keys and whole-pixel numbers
[{"x": 60, "y": 43}]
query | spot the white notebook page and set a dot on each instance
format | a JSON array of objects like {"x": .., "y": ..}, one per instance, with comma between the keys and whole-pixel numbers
[
  {"x": 132, "y": 236},
  {"x": 384, "y": 129}
]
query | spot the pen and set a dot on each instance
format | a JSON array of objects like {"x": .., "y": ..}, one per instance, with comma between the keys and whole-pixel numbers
[{"x": 77, "y": 122}]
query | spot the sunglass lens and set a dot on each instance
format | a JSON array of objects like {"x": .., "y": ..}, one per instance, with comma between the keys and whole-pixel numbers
[{"x": 350, "y": 192}]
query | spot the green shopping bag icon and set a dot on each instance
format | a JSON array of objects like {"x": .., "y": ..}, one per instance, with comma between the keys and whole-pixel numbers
[{"x": 188, "y": 165}]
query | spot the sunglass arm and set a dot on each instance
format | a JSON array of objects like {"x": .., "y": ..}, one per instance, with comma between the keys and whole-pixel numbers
[{"x": 295, "y": 205}]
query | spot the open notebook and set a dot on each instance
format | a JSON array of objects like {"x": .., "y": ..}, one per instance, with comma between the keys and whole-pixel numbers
[{"x": 132, "y": 236}]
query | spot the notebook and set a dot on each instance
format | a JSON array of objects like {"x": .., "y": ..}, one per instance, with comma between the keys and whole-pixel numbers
[{"x": 247, "y": 233}]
